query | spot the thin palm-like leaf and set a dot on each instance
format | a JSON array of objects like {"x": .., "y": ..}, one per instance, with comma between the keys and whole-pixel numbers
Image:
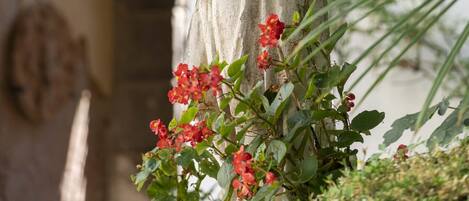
[
  {"x": 341, "y": 32},
  {"x": 310, "y": 19},
  {"x": 322, "y": 27},
  {"x": 443, "y": 71},
  {"x": 396, "y": 60},
  {"x": 396, "y": 42},
  {"x": 393, "y": 29}
]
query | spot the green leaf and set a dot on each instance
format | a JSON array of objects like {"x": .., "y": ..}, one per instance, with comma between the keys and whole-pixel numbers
[
  {"x": 201, "y": 147},
  {"x": 347, "y": 70},
  {"x": 442, "y": 72},
  {"x": 225, "y": 101},
  {"x": 308, "y": 166},
  {"x": 367, "y": 120},
  {"x": 225, "y": 174},
  {"x": 442, "y": 107},
  {"x": 226, "y": 130},
  {"x": 241, "y": 107},
  {"x": 266, "y": 192},
  {"x": 230, "y": 149},
  {"x": 168, "y": 168},
  {"x": 347, "y": 138},
  {"x": 209, "y": 168},
  {"x": 318, "y": 115},
  {"x": 336, "y": 36},
  {"x": 296, "y": 17},
  {"x": 297, "y": 123},
  {"x": 172, "y": 124},
  {"x": 219, "y": 122},
  {"x": 311, "y": 88},
  {"x": 255, "y": 143},
  {"x": 447, "y": 131},
  {"x": 277, "y": 149},
  {"x": 280, "y": 100},
  {"x": 235, "y": 67},
  {"x": 140, "y": 178},
  {"x": 188, "y": 115},
  {"x": 186, "y": 157},
  {"x": 404, "y": 123},
  {"x": 164, "y": 154}
]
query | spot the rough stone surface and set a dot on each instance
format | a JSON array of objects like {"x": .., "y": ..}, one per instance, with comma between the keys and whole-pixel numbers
[{"x": 230, "y": 29}]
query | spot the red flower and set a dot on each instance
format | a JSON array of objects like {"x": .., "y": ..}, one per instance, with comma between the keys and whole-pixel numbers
[
  {"x": 241, "y": 161},
  {"x": 270, "y": 178},
  {"x": 216, "y": 79},
  {"x": 348, "y": 101},
  {"x": 163, "y": 143},
  {"x": 193, "y": 83},
  {"x": 181, "y": 70},
  {"x": 178, "y": 95},
  {"x": 271, "y": 31},
  {"x": 159, "y": 128},
  {"x": 195, "y": 133},
  {"x": 263, "y": 60},
  {"x": 179, "y": 142},
  {"x": 403, "y": 148},
  {"x": 401, "y": 153},
  {"x": 248, "y": 178},
  {"x": 242, "y": 189}
]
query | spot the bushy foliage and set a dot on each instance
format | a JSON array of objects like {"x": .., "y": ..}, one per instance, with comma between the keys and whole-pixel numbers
[{"x": 438, "y": 176}]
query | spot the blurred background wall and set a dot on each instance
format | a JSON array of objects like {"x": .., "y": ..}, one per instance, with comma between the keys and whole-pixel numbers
[{"x": 128, "y": 70}]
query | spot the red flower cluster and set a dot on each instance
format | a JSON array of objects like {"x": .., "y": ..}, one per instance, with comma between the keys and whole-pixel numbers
[
  {"x": 192, "y": 83},
  {"x": 271, "y": 31},
  {"x": 196, "y": 133},
  {"x": 263, "y": 60},
  {"x": 190, "y": 133},
  {"x": 270, "y": 34},
  {"x": 348, "y": 102},
  {"x": 242, "y": 162},
  {"x": 401, "y": 153}
]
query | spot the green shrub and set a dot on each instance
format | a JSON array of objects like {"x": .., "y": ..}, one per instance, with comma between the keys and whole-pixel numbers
[{"x": 439, "y": 176}]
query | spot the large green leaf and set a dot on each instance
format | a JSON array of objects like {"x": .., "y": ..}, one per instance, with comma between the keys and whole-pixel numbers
[
  {"x": 266, "y": 192},
  {"x": 447, "y": 131},
  {"x": 225, "y": 174},
  {"x": 277, "y": 149},
  {"x": 347, "y": 138},
  {"x": 235, "y": 67},
  {"x": 367, "y": 120},
  {"x": 404, "y": 123},
  {"x": 186, "y": 157},
  {"x": 308, "y": 168},
  {"x": 280, "y": 100},
  {"x": 188, "y": 115}
]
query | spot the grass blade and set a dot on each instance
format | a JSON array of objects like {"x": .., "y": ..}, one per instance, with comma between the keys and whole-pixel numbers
[
  {"x": 394, "y": 29},
  {"x": 396, "y": 60},
  {"x": 308, "y": 20},
  {"x": 340, "y": 31},
  {"x": 322, "y": 27}
]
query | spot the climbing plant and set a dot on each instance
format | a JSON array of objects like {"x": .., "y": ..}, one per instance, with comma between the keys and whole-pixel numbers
[{"x": 285, "y": 138}]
